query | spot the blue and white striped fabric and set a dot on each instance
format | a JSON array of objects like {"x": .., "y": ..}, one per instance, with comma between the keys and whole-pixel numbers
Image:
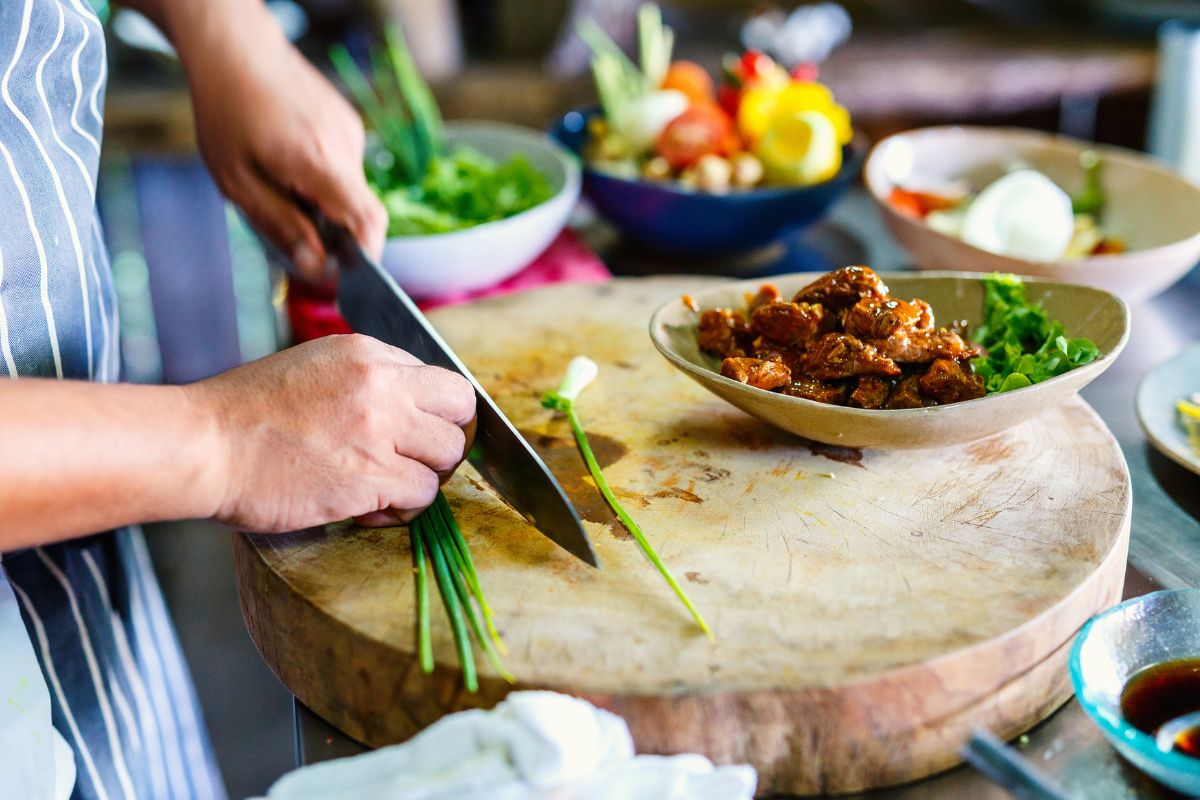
[{"x": 120, "y": 692}]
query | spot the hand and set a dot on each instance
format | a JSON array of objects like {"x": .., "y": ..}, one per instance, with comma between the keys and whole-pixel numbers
[
  {"x": 343, "y": 426},
  {"x": 271, "y": 128}
]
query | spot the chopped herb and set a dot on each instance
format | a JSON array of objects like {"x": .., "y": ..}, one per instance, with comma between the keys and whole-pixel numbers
[{"x": 1024, "y": 346}]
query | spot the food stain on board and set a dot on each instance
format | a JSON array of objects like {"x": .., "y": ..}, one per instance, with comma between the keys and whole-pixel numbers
[
  {"x": 564, "y": 461},
  {"x": 696, "y": 577},
  {"x": 679, "y": 494},
  {"x": 843, "y": 455}
]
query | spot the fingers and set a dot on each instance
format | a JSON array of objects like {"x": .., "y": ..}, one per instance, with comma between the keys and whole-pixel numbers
[
  {"x": 278, "y": 218},
  {"x": 438, "y": 444},
  {"x": 335, "y": 183},
  {"x": 444, "y": 394},
  {"x": 405, "y": 494}
]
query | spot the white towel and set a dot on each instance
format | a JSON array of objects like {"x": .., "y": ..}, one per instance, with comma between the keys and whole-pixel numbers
[{"x": 533, "y": 746}]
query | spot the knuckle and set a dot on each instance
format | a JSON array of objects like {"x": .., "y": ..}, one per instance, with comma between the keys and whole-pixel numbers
[{"x": 422, "y": 487}]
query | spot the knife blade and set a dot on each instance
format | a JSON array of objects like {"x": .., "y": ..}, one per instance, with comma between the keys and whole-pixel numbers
[{"x": 375, "y": 305}]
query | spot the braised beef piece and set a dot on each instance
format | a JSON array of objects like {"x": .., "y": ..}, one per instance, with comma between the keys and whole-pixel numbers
[
  {"x": 948, "y": 381},
  {"x": 871, "y": 392},
  {"x": 924, "y": 348},
  {"x": 839, "y": 355},
  {"x": 870, "y": 318},
  {"x": 843, "y": 287},
  {"x": 767, "y": 294},
  {"x": 791, "y": 324},
  {"x": 757, "y": 373},
  {"x": 811, "y": 388},
  {"x": 724, "y": 332},
  {"x": 906, "y": 394}
]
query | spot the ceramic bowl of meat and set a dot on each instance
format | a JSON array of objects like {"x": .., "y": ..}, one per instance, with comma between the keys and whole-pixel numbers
[
  {"x": 667, "y": 218},
  {"x": 473, "y": 258},
  {"x": 1085, "y": 312},
  {"x": 1152, "y": 210}
]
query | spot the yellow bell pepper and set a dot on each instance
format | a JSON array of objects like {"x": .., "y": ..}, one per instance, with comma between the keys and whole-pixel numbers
[
  {"x": 761, "y": 104},
  {"x": 799, "y": 149}
]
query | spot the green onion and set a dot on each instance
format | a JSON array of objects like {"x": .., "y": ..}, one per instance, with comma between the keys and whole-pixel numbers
[
  {"x": 436, "y": 534},
  {"x": 580, "y": 373},
  {"x": 424, "y": 646}
]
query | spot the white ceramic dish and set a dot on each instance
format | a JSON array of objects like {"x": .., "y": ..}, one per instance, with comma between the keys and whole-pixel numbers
[
  {"x": 462, "y": 261},
  {"x": 1159, "y": 390},
  {"x": 1155, "y": 211}
]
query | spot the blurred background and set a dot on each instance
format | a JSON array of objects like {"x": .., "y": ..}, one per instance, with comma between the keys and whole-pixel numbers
[{"x": 198, "y": 295}]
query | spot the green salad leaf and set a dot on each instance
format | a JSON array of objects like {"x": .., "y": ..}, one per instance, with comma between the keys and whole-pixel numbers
[
  {"x": 461, "y": 189},
  {"x": 1024, "y": 346}
]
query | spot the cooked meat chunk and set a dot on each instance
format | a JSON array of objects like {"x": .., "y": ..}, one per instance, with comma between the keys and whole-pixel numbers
[
  {"x": 811, "y": 388},
  {"x": 948, "y": 381},
  {"x": 926, "y": 347},
  {"x": 724, "y": 332},
  {"x": 907, "y": 394},
  {"x": 757, "y": 373},
  {"x": 843, "y": 287},
  {"x": 767, "y": 294},
  {"x": 837, "y": 355},
  {"x": 791, "y": 324},
  {"x": 870, "y": 318},
  {"x": 871, "y": 392},
  {"x": 770, "y": 352}
]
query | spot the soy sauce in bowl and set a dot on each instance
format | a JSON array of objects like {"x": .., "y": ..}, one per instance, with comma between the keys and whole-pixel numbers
[{"x": 1162, "y": 692}]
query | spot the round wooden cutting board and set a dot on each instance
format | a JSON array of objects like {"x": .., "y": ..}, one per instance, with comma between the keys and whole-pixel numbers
[{"x": 870, "y": 608}]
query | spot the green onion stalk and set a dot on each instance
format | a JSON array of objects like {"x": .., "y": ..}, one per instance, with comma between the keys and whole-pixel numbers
[
  {"x": 581, "y": 372},
  {"x": 438, "y": 544}
]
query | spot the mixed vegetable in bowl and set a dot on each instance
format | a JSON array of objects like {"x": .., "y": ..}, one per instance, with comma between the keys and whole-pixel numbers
[
  {"x": 667, "y": 120},
  {"x": 1022, "y": 214},
  {"x": 427, "y": 185}
]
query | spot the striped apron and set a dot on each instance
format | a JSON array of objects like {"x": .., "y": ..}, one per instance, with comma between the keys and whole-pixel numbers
[{"x": 94, "y": 623}]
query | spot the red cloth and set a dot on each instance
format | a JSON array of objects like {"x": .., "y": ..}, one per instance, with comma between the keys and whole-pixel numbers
[{"x": 312, "y": 310}]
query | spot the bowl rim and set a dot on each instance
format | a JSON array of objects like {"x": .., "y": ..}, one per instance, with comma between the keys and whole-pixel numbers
[
  {"x": 1143, "y": 389},
  {"x": 1091, "y": 263},
  {"x": 1112, "y": 725},
  {"x": 803, "y": 405},
  {"x": 572, "y": 178},
  {"x": 854, "y": 159}
]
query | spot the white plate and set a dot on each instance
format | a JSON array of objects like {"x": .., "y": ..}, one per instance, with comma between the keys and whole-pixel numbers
[{"x": 1161, "y": 388}]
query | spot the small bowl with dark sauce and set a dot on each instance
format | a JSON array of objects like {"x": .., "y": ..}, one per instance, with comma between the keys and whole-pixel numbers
[{"x": 1135, "y": 668}]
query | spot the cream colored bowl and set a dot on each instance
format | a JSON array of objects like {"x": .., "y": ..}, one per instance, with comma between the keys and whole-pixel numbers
[
  {"x": 1084, "y": 311},
  {"x": 1155, "y": 211}
]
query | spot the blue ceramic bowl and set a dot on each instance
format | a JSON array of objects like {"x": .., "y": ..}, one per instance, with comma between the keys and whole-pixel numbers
[
  {"x": 1114, "y": 646},
  {"x": 669, "y": 219}
]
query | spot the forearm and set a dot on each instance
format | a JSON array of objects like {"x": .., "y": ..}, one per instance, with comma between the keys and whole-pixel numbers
[
  {"x": 76, "y": 458},
  {"x": 200, "y": 29}
]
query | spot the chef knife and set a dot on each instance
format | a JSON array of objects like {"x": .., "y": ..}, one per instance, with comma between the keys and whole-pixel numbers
[{"x": 375, "y": 305}]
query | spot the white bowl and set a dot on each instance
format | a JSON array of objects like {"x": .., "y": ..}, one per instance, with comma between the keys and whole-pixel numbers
[
  {"x": 1155, "y": 211},
  {"x": 473, "y": 258}
]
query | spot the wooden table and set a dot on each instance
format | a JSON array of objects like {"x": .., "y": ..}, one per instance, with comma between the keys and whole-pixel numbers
[{"x": 1165, "y": 544}]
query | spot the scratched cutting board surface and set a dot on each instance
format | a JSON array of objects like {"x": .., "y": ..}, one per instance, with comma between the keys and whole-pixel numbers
[{"x": 870, "y": 607}]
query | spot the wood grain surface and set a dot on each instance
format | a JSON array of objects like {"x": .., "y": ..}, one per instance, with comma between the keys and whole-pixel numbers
[{"x": 870, "y": 607}]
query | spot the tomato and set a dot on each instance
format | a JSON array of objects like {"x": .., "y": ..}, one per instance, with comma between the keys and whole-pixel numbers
[
  {"x": 755, "y": 65},
  {"x": 691, "y": 79},
  {"x": 700, "y": 131},
  {"x": 906, "y": 203},
  {"x": 805, "y": 71},
  {"x": 729, "y": 98}
]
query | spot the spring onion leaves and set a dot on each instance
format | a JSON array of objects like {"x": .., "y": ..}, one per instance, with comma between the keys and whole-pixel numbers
[
  {"x": 438, "y": 543},
  {"x": 581, "y": 372},
  {"x": 426, "y": 185}
]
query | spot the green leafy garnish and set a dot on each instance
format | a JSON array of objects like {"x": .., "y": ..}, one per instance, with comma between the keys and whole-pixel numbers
[
  {"x": 426, "y": 186},
  {"x": 1091, "y": 200},
  {"x": 580, "y": 372},
  {"x": 1024, "y": 346}
]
